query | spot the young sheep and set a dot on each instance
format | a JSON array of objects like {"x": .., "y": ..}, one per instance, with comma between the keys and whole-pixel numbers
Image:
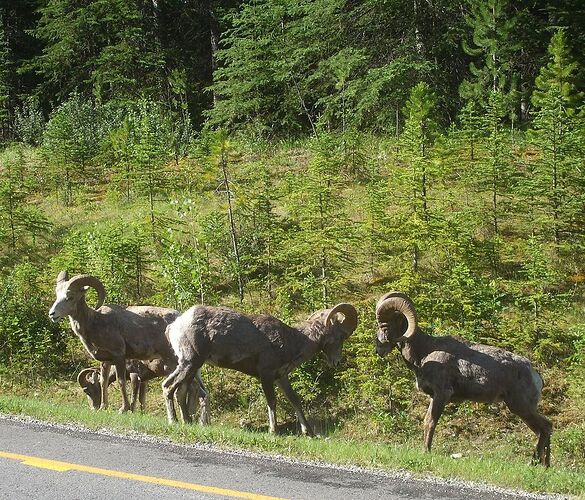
[
  {"x": 140, "y": 373},
  {"x": 112, "y": 334},
  {"x": 258, "y": 345},
  {"x": 454, "y": 369}
]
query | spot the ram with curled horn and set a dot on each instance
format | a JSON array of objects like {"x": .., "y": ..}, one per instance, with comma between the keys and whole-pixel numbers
[
  {"x": 454, "y": 369},
  {"x": 257, "y": 345},
  {"x": 112, "y": 334}
]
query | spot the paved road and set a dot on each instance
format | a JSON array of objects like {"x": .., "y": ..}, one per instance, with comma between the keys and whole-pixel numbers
[{"x": 39, "y": 461}]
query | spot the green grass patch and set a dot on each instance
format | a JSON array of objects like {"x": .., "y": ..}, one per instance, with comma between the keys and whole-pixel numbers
[{"x": 502, "y": 467}]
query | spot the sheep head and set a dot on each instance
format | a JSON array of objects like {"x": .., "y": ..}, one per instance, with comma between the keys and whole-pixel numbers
[
  {"x": 396, "y": 319},
  {"x": 89, "y": 380},
  {"x": 338, "y": 323},
  {"x": 71, "y": 292}
]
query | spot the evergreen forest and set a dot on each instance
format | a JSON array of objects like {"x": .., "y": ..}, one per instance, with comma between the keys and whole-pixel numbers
[{"x": 282, "y": 156}]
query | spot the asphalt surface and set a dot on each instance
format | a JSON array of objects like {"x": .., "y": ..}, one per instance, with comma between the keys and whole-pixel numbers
[{"x": 47, "y": 461}]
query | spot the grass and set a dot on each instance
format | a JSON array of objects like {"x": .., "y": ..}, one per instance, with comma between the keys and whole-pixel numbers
[
  {"x": 500, "y": 466},
  {"x": 496, "y": 446}
]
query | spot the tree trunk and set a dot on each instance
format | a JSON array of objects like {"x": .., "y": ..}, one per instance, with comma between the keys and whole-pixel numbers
[
  {"x": 223, "y": 166},
  {"x": 214, "y": 34}
]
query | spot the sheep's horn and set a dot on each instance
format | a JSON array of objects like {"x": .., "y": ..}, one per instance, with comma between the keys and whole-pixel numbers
[
  {"x": 386, "y": 296},
  {"x": 89, "y": 381},
  {"x": 86, "y": 377},
  {"x": 87, "y": 280},
  {"x": 350, "y": 316},
  {"x": 313, "y": 316},
  {"x": 63, "y": 276},
  {"x": 400, "y": 302}
]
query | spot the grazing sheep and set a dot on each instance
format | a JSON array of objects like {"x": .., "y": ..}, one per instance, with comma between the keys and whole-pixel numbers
[
  {"x": 89, "y": 380},
  {"x": 258, "y": 345},
  {"x": 113, "y": 334},
  {"x": 140, "y": 373},
  {"x": 454, "y": 369}
]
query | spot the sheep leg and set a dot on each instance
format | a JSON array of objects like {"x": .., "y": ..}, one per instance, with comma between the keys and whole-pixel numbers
[
  {"x": 182, "y": 373},
  {"x": 204, "y": 418},
  {"x": 142, "y": 386},
  {"x": 181, "y": 394},
  {"x": 121, "y": 376},
  {"x": 268, "y": 388},
  {"x": 135, "y": 388},
  {"x": 188, "y": 396},
  {"x": 191, "y": 398},
  {"x": 432, "y": 416},
  {"x": 542, "y": 427},
  {"x": 104, "y": 382},
  {"x": 543, "y": 445},
  {"x": 295, "y": 401}
]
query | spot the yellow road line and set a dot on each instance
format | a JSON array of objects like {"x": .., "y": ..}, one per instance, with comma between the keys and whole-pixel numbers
[{"x": 65, "y": 466}]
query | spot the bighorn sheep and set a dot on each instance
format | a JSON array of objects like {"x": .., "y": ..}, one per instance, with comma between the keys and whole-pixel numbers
[
  {"x": 89, "y": 380},
  {"x": 140, "y": 373},
  {"x": 451, "y": 368},
  {"x": 112, "y": 334},
  {"x": 258, "y": 345}
]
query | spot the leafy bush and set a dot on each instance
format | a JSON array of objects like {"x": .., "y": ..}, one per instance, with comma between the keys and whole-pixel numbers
[
  {"x": 29, "y": 122},
  {"x": 115, "y": 253},
  {"x": 29, "y": 342}
]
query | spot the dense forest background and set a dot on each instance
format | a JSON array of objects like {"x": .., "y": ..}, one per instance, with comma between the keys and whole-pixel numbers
[{"x": 283, "y": 156}]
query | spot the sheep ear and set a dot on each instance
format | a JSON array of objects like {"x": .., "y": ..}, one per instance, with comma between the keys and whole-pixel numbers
[
  {"x": 338, "y": 318},
  {"x": 63, "y": 276}
]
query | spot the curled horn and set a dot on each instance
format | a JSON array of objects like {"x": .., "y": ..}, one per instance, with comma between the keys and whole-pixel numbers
[
  {"x": 86, "y": 377},
  {"x": 87, "y": 280},
  {"x": 89, "y": 380},
  {"x": 399, "y": 302},
  {"x": 387, "y": 295},
  {"x": 314, "y": 316},
  {"x": 350, "y": 317},
  {"x": 63, "y": 276}
]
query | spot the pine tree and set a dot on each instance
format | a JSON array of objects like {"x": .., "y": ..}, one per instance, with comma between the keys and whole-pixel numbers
[
  {"x": 150, "y": 153},
  {"x": 261, "y": 227},
  {"x": 216, "y": 154},
  {"x": 496, "y": 167},
  {"x": 4, "y": 80},
  {"x": 417, "y": 139},
  {"x": 104, "y": 47},
  {"x": 493, "y": 45},
  {"x": 493, "y": 176},
  {"x": 252, "y": 75},
  {"x": 339, "y": 69},
  {"x": 376, "y": 223},
  {"x": 120, "y": 141},
  {"x": 20, "y": 222},
  {"x": 557, "y": 183},
  {"x": 221, "y": 151},
  {"x": 72, "y": 138},
  {"x": 470, "y": 130},
  {"x": 317, "y": 251}
]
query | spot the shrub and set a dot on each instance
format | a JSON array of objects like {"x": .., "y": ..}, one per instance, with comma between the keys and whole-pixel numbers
[{"x": 29, "y": 341}]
